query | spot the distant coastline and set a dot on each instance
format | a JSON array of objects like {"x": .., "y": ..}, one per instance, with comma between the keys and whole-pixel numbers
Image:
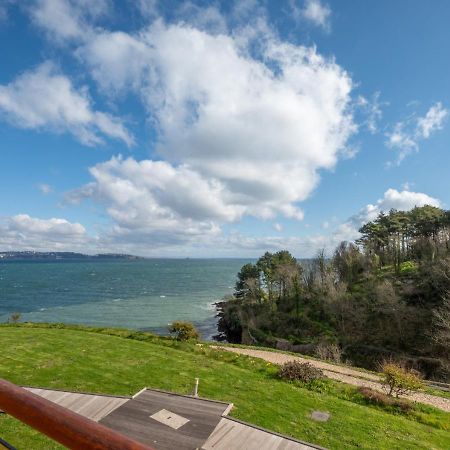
[{"x": 63, "y": 256}]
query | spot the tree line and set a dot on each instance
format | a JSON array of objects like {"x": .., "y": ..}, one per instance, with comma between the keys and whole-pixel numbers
[{"x": 384, "y": 296}]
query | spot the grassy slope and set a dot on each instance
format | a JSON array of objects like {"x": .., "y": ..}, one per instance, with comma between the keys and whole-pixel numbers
[{"x": 86, "y": 361}]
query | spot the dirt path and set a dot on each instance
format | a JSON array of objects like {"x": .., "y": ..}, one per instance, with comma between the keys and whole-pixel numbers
[{"x": 340, "y": 373}]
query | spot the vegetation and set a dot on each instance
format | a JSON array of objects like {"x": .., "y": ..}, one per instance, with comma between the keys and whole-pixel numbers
[
  {"x": 15, "y": 317},
  {"x": 384, "y": 400},
  {"x": 399, "y": 381},
  {"x": 297, "y": 371},
  {"x": 38, "y": 354},
  {"x": 385, "y": 296},
  {"x": 184, "y": 331}
]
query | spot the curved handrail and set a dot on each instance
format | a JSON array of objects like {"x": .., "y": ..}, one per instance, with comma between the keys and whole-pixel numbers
[
  {"x": 62, "y": 425},
  {"x": 6, "y": 444}
]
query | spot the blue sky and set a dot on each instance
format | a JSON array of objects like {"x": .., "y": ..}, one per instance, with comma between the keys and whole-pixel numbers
[{"x": 190, "y": 128}]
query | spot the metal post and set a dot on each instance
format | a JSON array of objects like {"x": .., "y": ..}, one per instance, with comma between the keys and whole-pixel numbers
[{"x": 196, "y": 387}]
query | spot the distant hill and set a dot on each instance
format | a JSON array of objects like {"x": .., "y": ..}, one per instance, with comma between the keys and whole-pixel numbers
[{"x": 63, "y": 256}]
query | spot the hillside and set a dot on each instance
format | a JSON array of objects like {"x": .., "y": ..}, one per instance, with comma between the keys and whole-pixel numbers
[
  {"x": 383, "y": 297},
  {"x": 122, "y": 362}
]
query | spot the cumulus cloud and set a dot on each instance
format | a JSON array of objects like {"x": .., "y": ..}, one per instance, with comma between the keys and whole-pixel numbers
[
  {"x": 406, "y": 135},
  {"x": 22, "y": 232},
  {"x": 392, "y": 199},
  {"x": 258, "y": 130},
  {"x": 348, "y": 230},
  {"x": 45, "y": 99},
  {"x": 314, "y": 11},
  {"x": 156, "y": 198},
  {"x": 141, "y": 230}
]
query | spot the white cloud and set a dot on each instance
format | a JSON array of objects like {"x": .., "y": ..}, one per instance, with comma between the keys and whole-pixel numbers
[
  {"x": 348, "y": 231},
  {"x": 148, "y": 8},
  {"x": 433, "y": 121},
  {"x": 313, "y": 11},
  {"x": 45, "y": 188},
  {"x": 259, "y": 130},
  {"x": 45, "y": 99},
  {"x": 278, "y": 227},
  {"x": 239, "y": 136},
  {"x": 22, "y": 232},
  {"x": 393, "y": 199},
  {"x": 406, "y": 135},
  {"x": 207, "y": 18},
  {"x": 67, "y": 19},
  {"x": 144, "y": 227},
  {"x": 372, "y": 109}
]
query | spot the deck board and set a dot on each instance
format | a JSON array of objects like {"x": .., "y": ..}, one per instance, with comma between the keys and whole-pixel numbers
[
  {"x": 92, "y": 406},
  {"x": 230, "y": 434},
  {"x": 133, "y": 419},
  {"x": 207, "y": 428}
]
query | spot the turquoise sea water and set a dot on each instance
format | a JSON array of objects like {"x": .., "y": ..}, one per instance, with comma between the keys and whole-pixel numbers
[{"x": 145, "y": 295}]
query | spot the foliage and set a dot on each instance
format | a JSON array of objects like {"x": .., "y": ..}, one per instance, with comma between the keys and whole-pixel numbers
[
  {"x": 15, "y": 317},
  {"x": 378, "y": 398},
  {"x": 184, "y": 331},
  {"x": 408, "y": 267},
  {"x": 329, "y": 352},
  {"x": 298, "y": 371},
  {"x": 397, "y": 380},
  {"x": 383, "y": 296}
]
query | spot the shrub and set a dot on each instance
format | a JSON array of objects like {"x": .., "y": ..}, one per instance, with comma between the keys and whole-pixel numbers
[
  {"x": 329, "y": 352},
  {"x": 14, "y": 317},
  {"x": 408, "y": 267},
  {"x": 184, "y": 331},
  {"x": 398, "y": 380},
  {"x": 305, "y": 372},
  {"x": 378, "y": 398}
]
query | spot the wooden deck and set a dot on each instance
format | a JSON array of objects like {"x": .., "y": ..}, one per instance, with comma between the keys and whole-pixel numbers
[
  {"x": 92, "y": 406},
  {"x": 233, "y": 435},
  {"x": 167, "y": 421}
]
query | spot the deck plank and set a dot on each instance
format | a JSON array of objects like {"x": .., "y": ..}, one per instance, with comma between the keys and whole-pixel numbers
[
  {"x": 92, "y": 406},
  {"x": 230, "y": 434}
]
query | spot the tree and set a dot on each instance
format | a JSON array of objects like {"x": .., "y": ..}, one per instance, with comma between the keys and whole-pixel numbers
[
  {"x": 442, "y": 323},
  {"x": 184, "y": 331},
  {"x": 399, "y": 381},
  {"x": 248, "y": 285}
]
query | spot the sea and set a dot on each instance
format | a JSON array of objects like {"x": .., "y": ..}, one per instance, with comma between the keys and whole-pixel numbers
[{"x": 140, "y": 294}]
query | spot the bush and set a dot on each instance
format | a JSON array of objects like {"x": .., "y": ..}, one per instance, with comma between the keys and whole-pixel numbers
[
  {"x": 305, "y": 372},
  {"x": 397, "y": 380},
  {"x": 329, "y": 352},
  {"x": 184, "y": 331},
  {"x": 408, "y": 267},
  {"x": 378, "y": 398},
  {"x": 15, "y": 317}
]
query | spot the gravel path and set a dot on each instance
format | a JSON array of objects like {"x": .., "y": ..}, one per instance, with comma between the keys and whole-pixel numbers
[{"x": 339, "y": 373}]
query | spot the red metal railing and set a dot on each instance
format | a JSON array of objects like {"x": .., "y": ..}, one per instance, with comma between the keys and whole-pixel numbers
[{"x": 64, "y": 426}]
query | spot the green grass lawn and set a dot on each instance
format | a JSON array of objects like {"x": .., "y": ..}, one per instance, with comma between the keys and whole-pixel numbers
[{"x": 122, "y": 362}]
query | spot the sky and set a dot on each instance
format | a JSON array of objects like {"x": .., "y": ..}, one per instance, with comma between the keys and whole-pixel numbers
[{"x": 218, "y": 128}]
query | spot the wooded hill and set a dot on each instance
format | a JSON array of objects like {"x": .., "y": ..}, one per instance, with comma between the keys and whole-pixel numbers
[{"x": 386, "y": 296}]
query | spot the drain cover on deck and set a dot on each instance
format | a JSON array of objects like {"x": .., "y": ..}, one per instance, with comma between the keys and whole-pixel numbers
[{"x": 170, "y": 419}]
